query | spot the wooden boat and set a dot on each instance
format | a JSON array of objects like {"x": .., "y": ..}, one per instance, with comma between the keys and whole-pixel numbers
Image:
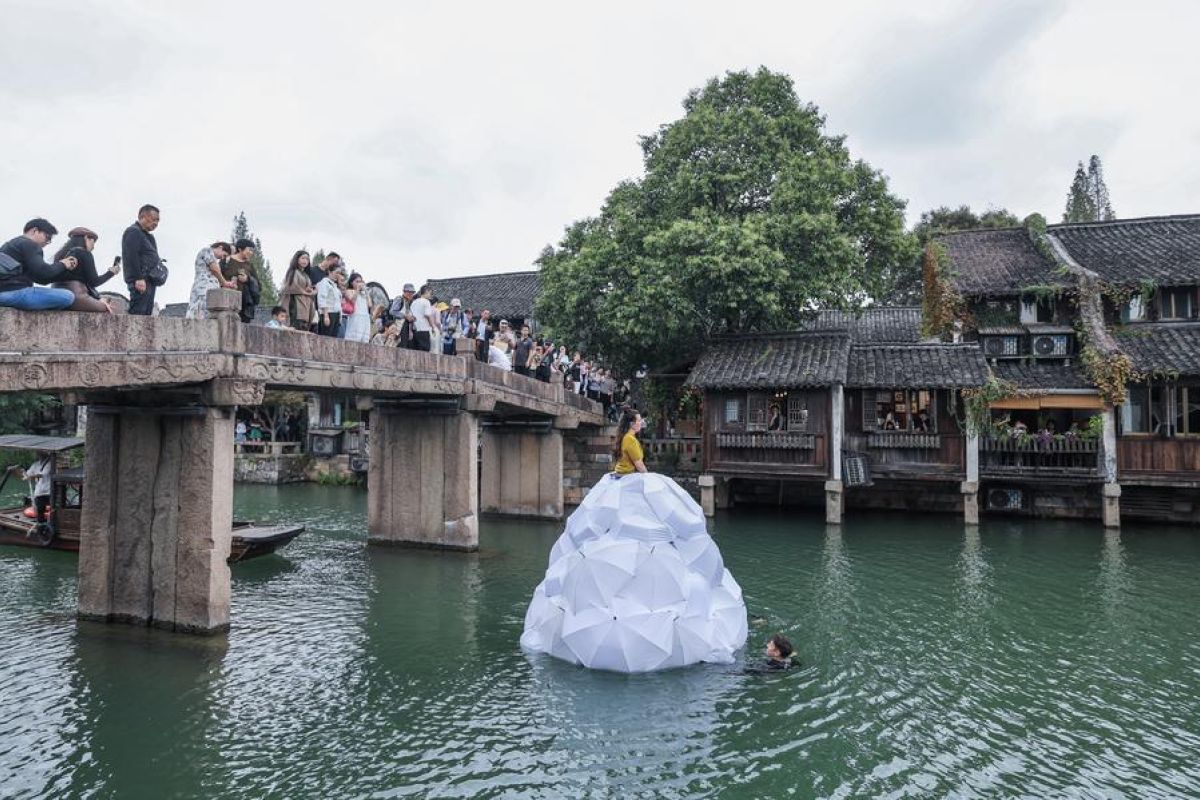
[{"x": 18, "y": 525}]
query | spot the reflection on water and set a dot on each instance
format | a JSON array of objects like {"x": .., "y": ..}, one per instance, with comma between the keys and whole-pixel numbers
[{"x": 1013, "y": 658}]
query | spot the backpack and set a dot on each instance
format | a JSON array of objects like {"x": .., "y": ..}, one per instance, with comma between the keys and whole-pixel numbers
[{"x": 9, "y": 266}]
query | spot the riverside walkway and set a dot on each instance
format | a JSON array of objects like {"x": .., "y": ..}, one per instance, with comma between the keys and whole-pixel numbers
[{"x": 161, "y": 393}]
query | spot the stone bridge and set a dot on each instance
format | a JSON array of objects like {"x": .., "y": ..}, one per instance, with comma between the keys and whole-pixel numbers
[{"x": 161, "y": 395}]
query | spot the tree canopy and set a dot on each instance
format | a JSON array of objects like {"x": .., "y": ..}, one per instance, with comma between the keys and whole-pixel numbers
[
  {"x": 747, "y": 214},
  {"x": 1087, "y": 199},
  {"x": 258, "y": 263}
]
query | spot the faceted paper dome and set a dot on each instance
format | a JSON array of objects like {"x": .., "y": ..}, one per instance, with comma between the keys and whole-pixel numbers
[{"x": 636, "y": 584}]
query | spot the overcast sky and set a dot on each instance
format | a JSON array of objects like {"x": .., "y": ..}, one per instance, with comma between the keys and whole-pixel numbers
[{"x": 436, "y": 139}]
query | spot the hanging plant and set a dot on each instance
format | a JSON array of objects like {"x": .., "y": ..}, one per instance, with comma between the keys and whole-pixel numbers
[
  {"x": 944, "y": 308},
  {"x": 977, "y": 403}
]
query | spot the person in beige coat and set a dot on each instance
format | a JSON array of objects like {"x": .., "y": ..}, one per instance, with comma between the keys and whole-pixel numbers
[{"x": 299, "y": 295}]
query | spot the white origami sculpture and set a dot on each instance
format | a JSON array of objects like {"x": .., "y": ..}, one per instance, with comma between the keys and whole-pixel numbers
[{"x": 636, "y": 584}]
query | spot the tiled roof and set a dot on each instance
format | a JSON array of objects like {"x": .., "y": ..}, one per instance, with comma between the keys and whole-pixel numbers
[
  {"x": 871, "y": 325},
  {"x": 917, "y": 365},
  {"x": 1165, "y": 250},
  {"x": 773, "y": 361},
  {"x": 997, "y": 261},
  {"x": 1041, "y": 375},
  {"x": 1163, "y": 347},
  {"x": 507, "y": 295}
]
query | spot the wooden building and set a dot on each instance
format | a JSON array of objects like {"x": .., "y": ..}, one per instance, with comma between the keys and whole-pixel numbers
[{"x": 1032, "y": 302}]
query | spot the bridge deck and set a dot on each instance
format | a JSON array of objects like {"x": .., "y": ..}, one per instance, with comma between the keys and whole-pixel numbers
[{"x": 66, "y": 351}]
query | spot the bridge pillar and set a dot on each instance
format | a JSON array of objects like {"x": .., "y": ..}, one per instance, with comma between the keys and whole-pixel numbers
[
  {"x": 422, "y": 481},
  {"x": 522, "y": 471},
  {"x": 158, "y": 517}
]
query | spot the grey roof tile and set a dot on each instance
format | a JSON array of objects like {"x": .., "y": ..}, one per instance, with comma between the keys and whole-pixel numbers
[
  {"x": 1042, "y": 375},
  {"x": 874, "y": 325},
  {"x": 997, "y": 261},
  {"x": 507, "y": 295},
  {"x": 1163, "y": 250},
  {"x": 917, "y": 365},
  {"x": 773, "y": 360},
  {"x": 1165, "y": 347}
]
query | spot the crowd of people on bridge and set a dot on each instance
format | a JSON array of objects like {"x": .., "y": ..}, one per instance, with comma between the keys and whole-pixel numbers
[{"x": 320, "y": 296}]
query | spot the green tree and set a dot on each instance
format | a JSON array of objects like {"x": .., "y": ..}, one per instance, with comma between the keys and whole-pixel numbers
[
  {"x": 1097, "y": 190},
  {"x": 18, "y": 408},
  {"x": 748, "y": 215},
  {"x": 1087, "y": 199},
  {"x": 258, "y": 263},
  {"x": 907, "y": 285}
]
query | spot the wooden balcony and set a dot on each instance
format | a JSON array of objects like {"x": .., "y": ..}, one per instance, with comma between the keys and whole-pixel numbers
[
  {"x": 769, "y": 440},
  {"x": 763, "y": 453},
  {"x": 1030, "y": 456},
  {"x": 904, "y": 440},
  {"x": 1152, "y": 459}
]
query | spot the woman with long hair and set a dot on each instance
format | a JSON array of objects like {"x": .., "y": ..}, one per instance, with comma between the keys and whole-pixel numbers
[
  {"x": 84, "y": 281},
  {"x": 358, "y": 324},
  {"x": 298, "y": 293},
  {"x": 628, "y": 450}
]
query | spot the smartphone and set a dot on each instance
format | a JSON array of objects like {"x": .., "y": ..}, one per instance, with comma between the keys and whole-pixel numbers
[{"x": 117, "y": 261}]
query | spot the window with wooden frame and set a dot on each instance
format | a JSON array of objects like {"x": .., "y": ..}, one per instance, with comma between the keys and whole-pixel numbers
[
  {"x": 734, "y": 411},
  {"x": 1175, "y": 304},
  {"x": 911, "y": 410},
  {"x": 797, "y": 412},
  {"x": 756, "y": 412}
]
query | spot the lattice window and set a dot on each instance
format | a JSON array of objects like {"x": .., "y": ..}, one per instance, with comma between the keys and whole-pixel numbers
[
  {"x": 733, "y": 411},
  {"x": 797, "y": 412},
  {"x": 756, "y": 412}
]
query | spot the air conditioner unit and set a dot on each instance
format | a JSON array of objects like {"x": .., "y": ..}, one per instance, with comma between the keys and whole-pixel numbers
[
  {"x": 320, "y": 445},
  {"x": 1005, "y": 499},
  {"x": 1000, "y": 346},
  {"x": 359, "y": 463},
  {"x": 1055, "y": 345}
]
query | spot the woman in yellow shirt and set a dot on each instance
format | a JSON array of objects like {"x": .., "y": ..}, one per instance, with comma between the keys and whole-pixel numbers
[{"x": 628, "y": 450}]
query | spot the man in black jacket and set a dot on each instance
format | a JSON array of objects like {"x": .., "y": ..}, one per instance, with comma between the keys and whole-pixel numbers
[
  {"x": 21, "y": 263},
  {"x": 139, "y": 254}
]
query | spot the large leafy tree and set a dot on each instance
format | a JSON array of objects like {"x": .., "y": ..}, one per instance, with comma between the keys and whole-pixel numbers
[
  {"x": 906, "y": 288},
  {"x": 748, "y": 215},
  {"x": 258, "y": 263},
  {"x": 1087, "y": 199}
]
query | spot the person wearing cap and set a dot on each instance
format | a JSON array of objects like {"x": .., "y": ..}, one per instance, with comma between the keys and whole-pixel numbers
[
  {"x": 454, "y": 324},
  {"x": 401, "y": 310},
  {"x": 84, "y": 280},
  {"x": 21, "y": 264}
]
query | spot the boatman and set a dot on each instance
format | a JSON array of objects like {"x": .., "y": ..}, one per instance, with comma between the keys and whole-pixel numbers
[{"x": 39, "y": 471}]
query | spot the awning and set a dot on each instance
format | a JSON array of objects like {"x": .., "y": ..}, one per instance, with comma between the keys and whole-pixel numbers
[{"x": 1088, "y": 402}]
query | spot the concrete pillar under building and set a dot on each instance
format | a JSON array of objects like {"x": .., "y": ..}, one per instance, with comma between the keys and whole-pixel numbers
[
  {"x": 1111, "y": 508},
  {"x": 158, "y": 517},
  {"x": 521, "y": 471},
  {"x": 970, "y": 487},
  {"x": 422, "y": 481},
  {"x": 834, "y": 490}
]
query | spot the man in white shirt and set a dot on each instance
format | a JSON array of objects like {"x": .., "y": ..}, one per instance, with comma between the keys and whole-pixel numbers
[
  {"x": 39, "y": 471},
  {"x": 329, "y": 303},
  {"x": 423, "y": 319}
]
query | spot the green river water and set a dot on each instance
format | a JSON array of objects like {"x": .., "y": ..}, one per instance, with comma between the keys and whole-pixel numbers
[{"x": 1019, "y": 659}]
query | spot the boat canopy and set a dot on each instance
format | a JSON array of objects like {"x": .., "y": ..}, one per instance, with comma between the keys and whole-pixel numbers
[{"x": 47, "y": 444}]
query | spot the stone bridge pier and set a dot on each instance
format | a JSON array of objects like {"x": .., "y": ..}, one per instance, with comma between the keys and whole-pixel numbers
[
  {"x": 422, "y": 482},
  {"x": 522, "y": 469},
  {"x": 158, "y": 512}
]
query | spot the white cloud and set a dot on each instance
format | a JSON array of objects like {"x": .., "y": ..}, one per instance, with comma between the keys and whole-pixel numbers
[{"x": 426, "y": 140}]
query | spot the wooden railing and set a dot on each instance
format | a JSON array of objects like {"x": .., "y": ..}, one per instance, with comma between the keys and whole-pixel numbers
[
  {"x": 767, "y": 441},
  {"x": 1155, "y": 455},
  {"x": 1032, "y": 455},
  {"x": 904, "y": 440},
  {"x": 679, "y": 453}
]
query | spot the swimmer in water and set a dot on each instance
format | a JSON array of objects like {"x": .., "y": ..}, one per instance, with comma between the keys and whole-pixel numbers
[{"x": 779, "y": 652}]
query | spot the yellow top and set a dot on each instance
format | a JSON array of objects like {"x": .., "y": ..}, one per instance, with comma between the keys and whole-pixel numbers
[{"x": 631, "y": 452}]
